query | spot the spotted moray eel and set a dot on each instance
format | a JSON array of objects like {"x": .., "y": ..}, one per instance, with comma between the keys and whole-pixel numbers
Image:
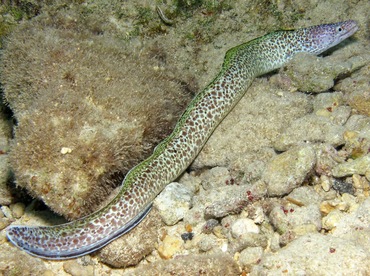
[{"x": 175, "y": 153}]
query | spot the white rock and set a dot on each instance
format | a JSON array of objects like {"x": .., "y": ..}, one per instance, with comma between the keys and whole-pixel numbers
[
  {"x": 288, "y": 170},
  {"x": 173, "y": 202},
  {"x": 243, "y": 226}
]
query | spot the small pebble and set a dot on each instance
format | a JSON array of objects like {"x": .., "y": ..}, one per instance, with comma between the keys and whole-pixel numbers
[
  {"x": 258, "y": 215},
  {"x": 275, "y": 242},
  {"x": 332, "y": 219},
  {"x": 343, "y": 187},
  {"x": 219, "y": 232},
  {"x": 247, "y": 240},
  {"x": 350, "y": 201},
  {"x": 188, "y": 236},
  {"x": 7, "y": 212},
  {"x": 221, "y": 209},
  {"x": 326, "y": 184},
  {"x": 207, "y": 243},
  {"x": 360, "y": 182},
  {"x": 243, "y": 226},
  {"x": 250, "y": 256},
  {"x": 65, "y": 150},
  {"x": 327, "y": 206},
  {"x": 209, "y": 225},
  {"x": 48, "y": 272},
  {"x": 18, "y": 209},
  {"x": 75, "y": 269},
  {"x": 169, "y": 247}
]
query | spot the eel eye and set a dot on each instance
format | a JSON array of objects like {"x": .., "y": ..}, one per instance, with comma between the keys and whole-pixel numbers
[{"x": 339, "y": 29}]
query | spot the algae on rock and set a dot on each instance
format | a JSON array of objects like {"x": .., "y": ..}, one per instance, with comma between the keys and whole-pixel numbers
[{"x": 89, "y": 107}]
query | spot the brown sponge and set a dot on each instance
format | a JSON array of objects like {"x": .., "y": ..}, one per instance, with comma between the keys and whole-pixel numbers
[{"x": 89, "y": 107}]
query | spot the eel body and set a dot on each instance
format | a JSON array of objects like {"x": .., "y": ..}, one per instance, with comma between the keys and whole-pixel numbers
[{"x": 175, "y": 153}]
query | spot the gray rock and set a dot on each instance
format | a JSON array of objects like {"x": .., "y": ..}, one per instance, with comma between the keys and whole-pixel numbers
[
  {"x": 327, "y": 158},
  {"x": 316, "y": 254},
  {"x": 16, "y": 262},
  {"x": 195, "y": 215},
  {"x": 342, "y": 187},
  {"x": 360, "y": 165},
  {"x": 306, "y": 195},
  {"x": 213, "y": 264},
  {"x": 247, "y": 240},
  {"x": 287, "y": 218},
  {"x": 330, "y": 105},
  {"x": 207, "y": 243},
  {"x": 244, "y": 138},
  {"x": 250, "y": 256},
  {"x": 219, "y": 209},
  {"x": 359, "y": 123},
  {"x": 355, "y": 226},
  {"x": 309, "y": 73},
  {"x": 288, "y": 170},
  {"x": 215, "y": 177},
  {"x": 209, "y": 226},
  {"x": 310, "y": 128},
  {"x": 357, "y": 87},
  {"x": 228, "y": 200},
  {"x": 131, "y": 248},
  {"x": 74, "y": 268}
]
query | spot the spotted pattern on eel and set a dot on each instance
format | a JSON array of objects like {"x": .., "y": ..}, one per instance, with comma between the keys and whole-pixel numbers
[{"x": 175, "y": 153}]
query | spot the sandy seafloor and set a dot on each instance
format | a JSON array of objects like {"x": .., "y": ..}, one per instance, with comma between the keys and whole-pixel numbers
[{"x": 280, "y": 188}]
